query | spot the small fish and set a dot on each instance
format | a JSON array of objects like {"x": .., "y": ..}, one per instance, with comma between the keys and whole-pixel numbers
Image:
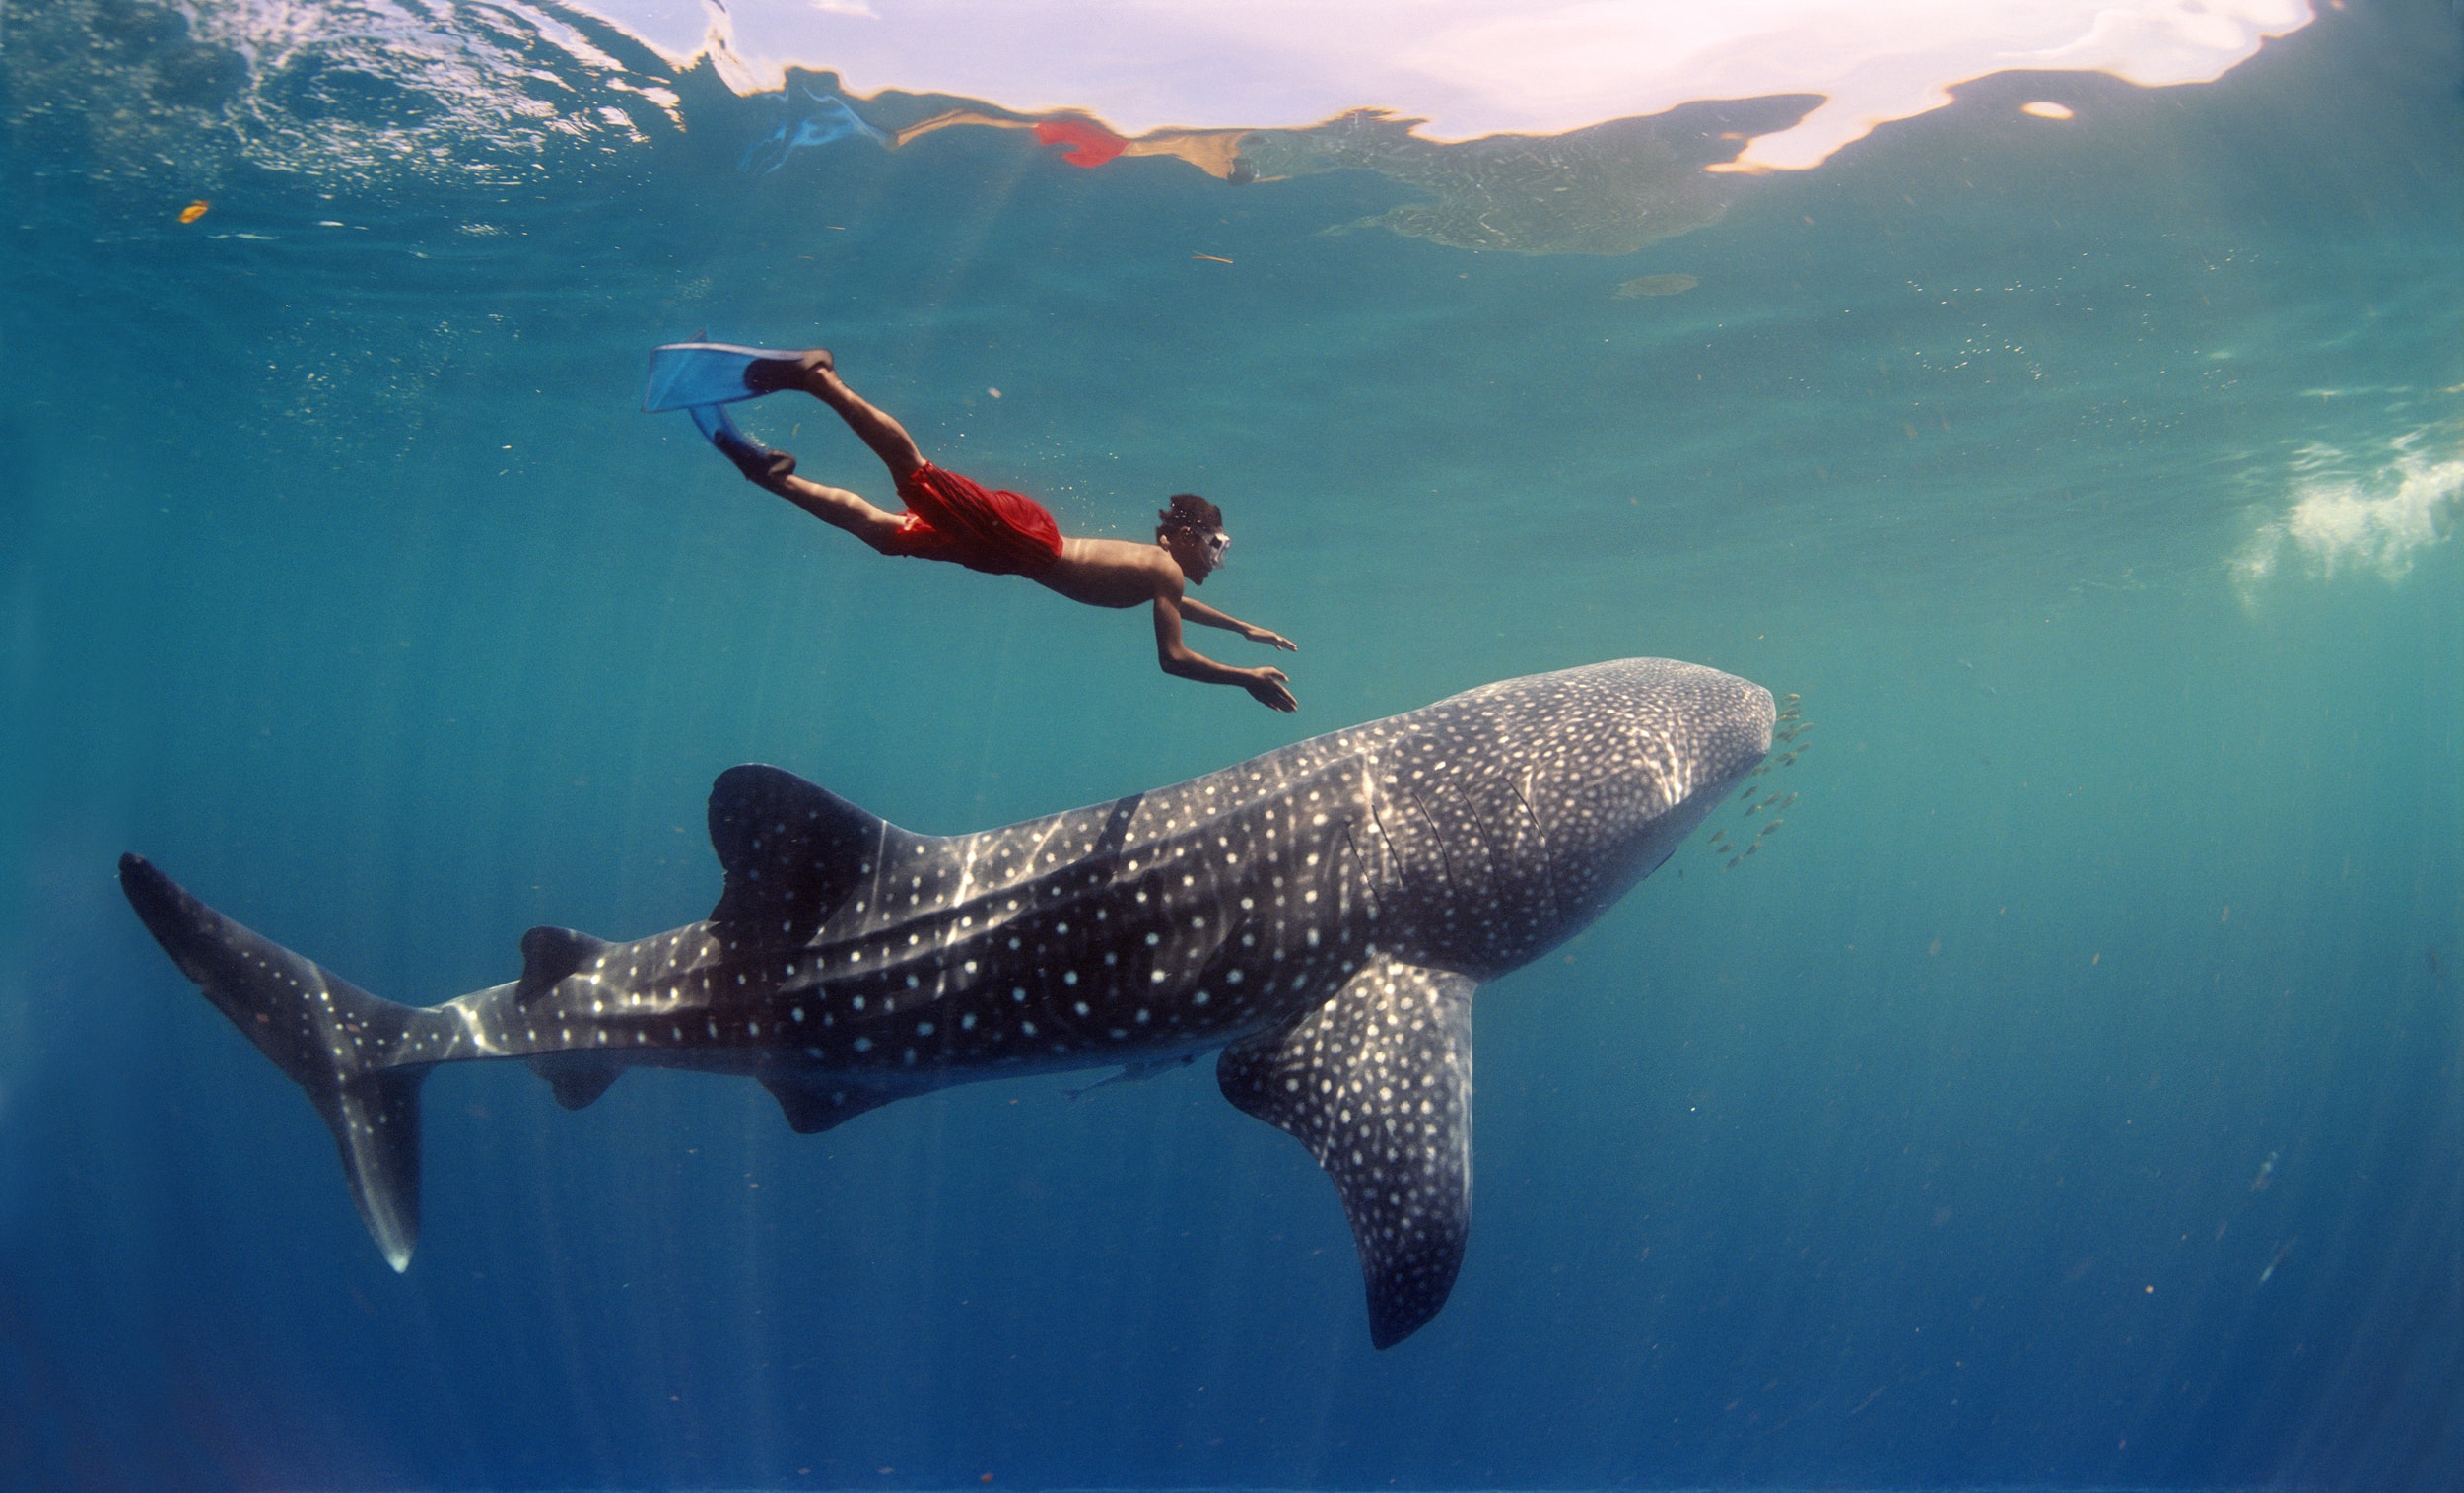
[
  {"x": 1775, "y": 823},
  {"x": 1136, "y": 1072},
  {"x": 2282, "y": 1250},
  {"x": 1749, "y": 849},
  {"x": 2267, "y": 1171},
  {"x": 1732, "y": 865},
  {"x": 194, "y": 210}
]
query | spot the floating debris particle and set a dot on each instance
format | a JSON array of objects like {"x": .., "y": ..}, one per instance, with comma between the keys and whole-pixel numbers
[{"x": 195, "y": 210}]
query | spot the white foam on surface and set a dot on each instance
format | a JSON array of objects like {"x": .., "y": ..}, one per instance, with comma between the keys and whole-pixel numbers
[
  {"x": 497, "y": 80},
  {"x": 2379, "y": 521},
  {"x": 1468, "y": 67}
]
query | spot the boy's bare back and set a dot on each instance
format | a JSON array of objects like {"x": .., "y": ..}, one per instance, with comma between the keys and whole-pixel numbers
[{"x": 1113, "y": 573}]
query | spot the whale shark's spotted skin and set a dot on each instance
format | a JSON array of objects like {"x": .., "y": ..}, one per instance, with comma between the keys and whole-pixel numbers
[{"x": 1322, "y": 913}]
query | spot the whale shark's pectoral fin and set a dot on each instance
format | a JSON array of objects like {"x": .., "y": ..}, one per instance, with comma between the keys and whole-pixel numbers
[
  {"x": 815, "y": 1104},
  {"x": 793, "y": 853},
  {"x": 1377, "y": 1084}
]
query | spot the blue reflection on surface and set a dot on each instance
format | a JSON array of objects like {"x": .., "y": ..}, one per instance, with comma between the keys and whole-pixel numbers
[{"x": 818, "y": 119}]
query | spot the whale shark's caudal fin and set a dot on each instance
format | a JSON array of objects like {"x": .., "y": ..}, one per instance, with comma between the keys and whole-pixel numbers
[
  {"x": 1377, "y": 1084},
  {"x": 360, "y": 1059}
]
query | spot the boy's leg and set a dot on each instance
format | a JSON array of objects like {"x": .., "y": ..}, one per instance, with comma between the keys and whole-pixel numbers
[
  {"x": 840, "y": 509},
  {"x": 816, "y": 374},
  {"x": 835, "y": 507}
]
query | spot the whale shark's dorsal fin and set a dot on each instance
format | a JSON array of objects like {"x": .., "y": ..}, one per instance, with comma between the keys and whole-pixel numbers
[
  {"x": 1377, "y": 1084},
  {"x": 793, "y": 853}
]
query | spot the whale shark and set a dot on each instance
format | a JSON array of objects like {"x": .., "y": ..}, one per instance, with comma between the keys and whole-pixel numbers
[{"x": 1320, "y": 916}]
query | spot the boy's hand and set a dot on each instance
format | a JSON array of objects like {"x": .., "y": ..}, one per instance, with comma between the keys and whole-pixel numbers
[
  {"x": 1262, "y": 635},
  {"x": 1269, "y": 688}
]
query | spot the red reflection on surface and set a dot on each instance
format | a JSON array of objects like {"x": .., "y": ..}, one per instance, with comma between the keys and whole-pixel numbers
[{"x": 1081, "y": 142}]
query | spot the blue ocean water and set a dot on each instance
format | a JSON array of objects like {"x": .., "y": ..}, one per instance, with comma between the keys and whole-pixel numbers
[{"x": 2070, "y": 1095}]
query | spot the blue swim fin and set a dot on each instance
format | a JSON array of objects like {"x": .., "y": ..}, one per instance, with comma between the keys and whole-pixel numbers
[
  {"x": 716, "y": 428},
  {"x": 684, "y": 375},
  {"x": 750, "y": 456}
]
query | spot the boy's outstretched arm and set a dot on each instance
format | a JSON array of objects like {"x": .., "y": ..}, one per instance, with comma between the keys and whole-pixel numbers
[
  {"x": 1195, "y": 610},
  {"x": 1267, "y": 686}
]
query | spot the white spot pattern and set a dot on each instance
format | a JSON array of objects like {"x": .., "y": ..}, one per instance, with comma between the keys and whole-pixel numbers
[{"x": 850, "y": 962}]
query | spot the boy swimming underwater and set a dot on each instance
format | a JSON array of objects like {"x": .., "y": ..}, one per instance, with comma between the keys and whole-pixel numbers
[{"x": 1003, "y": 533}]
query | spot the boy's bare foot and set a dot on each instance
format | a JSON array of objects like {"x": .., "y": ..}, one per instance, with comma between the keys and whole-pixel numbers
[{"x": 768, "y": 376}]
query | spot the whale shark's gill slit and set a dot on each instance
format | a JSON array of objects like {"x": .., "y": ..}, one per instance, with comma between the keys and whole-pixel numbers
[
  {"x": 1548, "y": 862},
  {"x": 1479, "y": 826},
  {"x": 1437, "y": 837},
  {"x": 1367, "y": 881},
  {"x": 1106, "y": 853},
  {"x": 1394, "y": 858}
]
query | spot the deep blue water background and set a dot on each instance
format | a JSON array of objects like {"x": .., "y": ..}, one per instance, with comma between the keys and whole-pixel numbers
[{"x": 345, "y": 580}]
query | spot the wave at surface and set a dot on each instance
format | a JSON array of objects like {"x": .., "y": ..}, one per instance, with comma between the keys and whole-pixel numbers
[
  {"x": 345, "y": 92},
  {"x": 1466, "y": 68}
]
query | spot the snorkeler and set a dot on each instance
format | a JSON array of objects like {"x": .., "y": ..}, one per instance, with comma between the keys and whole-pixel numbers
[{"x": 1003, "y": 533}]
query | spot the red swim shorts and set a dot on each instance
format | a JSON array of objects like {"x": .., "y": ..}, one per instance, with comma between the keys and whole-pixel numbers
[{"x": 959, "y": 519}]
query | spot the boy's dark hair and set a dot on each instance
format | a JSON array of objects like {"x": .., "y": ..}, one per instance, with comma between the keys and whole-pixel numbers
[{"x": 1189, "y": 514}]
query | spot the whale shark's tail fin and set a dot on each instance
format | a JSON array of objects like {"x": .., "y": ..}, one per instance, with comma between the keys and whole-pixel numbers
[{"x": 361, "y": 1058}]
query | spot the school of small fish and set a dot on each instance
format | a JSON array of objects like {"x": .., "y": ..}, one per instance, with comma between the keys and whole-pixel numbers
[{"x": 1788, "y": 732}]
